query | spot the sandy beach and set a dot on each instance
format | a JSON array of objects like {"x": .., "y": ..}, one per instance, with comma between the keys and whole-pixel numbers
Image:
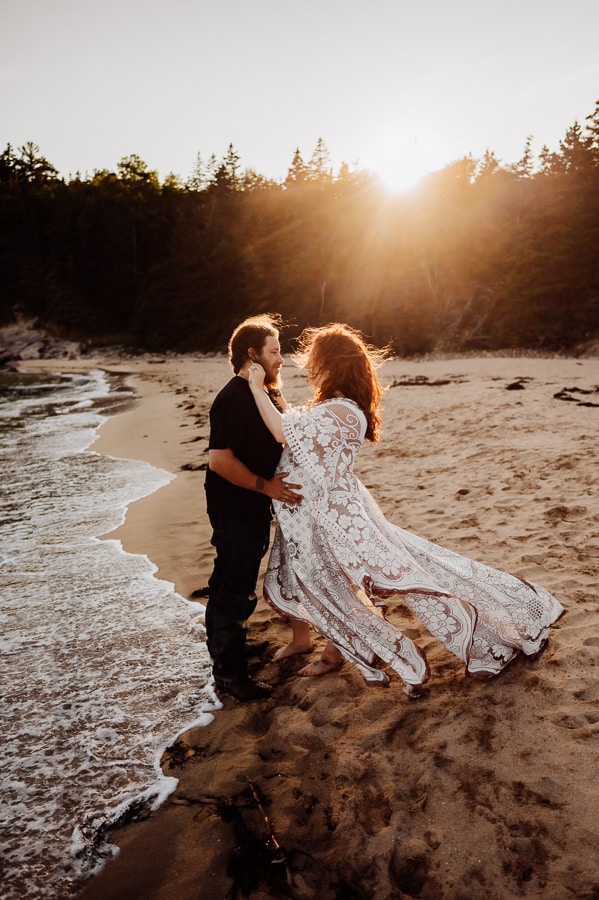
[{"x": 336, "y": 789}]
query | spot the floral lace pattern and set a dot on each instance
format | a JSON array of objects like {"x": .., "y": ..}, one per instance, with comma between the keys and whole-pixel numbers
[{"x": 335, "y": 553}]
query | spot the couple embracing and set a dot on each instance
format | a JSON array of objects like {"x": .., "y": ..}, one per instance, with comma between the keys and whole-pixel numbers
[{"x": 335, "y": 556}]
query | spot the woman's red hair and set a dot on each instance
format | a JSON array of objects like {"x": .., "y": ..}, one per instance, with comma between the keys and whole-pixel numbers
[{"x": 348, "y": 365}]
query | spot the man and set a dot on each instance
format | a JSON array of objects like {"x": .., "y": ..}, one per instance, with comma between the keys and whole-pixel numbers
[{"x": 240, "y": 484}]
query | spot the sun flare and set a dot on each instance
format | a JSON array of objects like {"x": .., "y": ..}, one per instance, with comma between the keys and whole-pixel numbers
[
  {"x": 399, "y": 180},
  {"x": 400, "y": 163}
]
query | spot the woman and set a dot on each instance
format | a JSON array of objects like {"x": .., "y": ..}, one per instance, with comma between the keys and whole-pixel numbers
[{"x": 335, "y": 554}]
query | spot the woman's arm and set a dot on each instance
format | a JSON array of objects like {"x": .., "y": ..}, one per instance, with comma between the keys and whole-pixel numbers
[{"x": 271, "y": 416}]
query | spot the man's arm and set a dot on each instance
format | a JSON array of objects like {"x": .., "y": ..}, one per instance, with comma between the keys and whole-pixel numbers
[{"x": 230, "y": 467}]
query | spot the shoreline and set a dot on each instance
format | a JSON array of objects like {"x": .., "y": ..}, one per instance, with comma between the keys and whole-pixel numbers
[
  {"x": 478, "y": 788},
  {"x": 167, "y": 526},
  {"x": 170, "y": 525}
]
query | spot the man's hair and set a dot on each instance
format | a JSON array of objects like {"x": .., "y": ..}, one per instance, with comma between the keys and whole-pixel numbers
[{"x": 252, "y": 332}]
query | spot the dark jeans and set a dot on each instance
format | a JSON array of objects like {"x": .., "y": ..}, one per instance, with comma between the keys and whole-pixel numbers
[{"x": 240, "y": 546}]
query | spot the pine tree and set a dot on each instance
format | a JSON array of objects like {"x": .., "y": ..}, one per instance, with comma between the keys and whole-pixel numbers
[
  {"x": 319, "y": 167},
  {"x": 198, "y": 179},
  {"x": 297, "y": 174}
]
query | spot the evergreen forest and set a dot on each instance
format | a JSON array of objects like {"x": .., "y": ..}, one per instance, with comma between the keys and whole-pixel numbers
[{"x": 482, "y": 256}]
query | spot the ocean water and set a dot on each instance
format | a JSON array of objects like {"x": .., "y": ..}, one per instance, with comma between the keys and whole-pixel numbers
[{"x": 102, "y": 664}]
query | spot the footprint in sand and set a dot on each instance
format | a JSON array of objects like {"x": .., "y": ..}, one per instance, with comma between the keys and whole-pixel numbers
[
  {"x": 589, "y": 694},
  {"x": 556, "y": 514},
  {"x": 582, "y": 727},
  {"x": 538, "y": 559}
]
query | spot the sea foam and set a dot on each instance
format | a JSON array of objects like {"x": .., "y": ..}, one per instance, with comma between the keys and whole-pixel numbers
[{"x": 102, "y": 663}]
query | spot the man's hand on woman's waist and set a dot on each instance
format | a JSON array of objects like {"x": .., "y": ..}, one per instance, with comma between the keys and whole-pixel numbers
[{"x": 277, "y": 489}]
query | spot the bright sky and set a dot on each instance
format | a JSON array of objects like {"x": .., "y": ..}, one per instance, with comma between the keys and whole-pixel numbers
[{"x": 401, "y": 87}]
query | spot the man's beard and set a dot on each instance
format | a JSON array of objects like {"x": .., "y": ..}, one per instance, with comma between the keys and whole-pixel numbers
[{"x": 272, "y": 378}]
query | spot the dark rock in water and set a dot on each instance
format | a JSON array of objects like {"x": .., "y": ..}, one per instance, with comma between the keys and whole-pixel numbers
[
  {"x": 8, "y": 360},
  {"x": 21, "y": 341}
]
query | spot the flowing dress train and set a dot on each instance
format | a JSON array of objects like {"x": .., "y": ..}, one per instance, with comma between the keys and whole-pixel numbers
[{"x": 335, "y": 553}]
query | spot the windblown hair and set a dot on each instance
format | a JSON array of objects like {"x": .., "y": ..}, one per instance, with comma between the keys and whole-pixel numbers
[
  {"x": 349, "y": 366},
  {"x": 252, "y": 332}
]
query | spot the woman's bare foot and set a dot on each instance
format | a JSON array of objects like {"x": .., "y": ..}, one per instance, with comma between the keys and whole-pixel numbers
[
  {"x": 293, "y": 648},
  {"x": 301, "y": 640},
  {"x": 415, "y": 691},
  {"x": 321, "y": 666}
]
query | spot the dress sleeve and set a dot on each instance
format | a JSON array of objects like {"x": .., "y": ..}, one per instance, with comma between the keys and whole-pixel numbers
[{"x": 318, "y": 435}]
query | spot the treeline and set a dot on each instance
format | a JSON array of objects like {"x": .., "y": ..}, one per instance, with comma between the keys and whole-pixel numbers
[{"x": 481, "y": 256}]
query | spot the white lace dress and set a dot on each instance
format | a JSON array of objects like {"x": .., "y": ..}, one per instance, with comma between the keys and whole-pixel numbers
[{"x": 335, "y": 553}]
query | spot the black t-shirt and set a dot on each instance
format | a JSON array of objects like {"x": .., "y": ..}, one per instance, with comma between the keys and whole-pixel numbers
[{"x": 235, "y": 423}]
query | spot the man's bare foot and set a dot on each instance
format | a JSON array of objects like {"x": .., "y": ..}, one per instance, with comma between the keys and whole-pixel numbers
[
  {"x": 293, "y": 648},
  {"x": 321, "y": 666}
]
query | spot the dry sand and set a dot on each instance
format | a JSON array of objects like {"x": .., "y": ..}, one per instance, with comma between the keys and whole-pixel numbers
[{"x": 336, "y": 789}]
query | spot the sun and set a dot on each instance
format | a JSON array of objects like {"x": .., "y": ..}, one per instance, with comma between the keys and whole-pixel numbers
[
  {"x": 399, "y": 180},
  {"x": 401, "y": 168},
  {"x": 401, "y": 162}
]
